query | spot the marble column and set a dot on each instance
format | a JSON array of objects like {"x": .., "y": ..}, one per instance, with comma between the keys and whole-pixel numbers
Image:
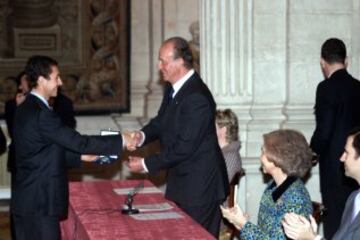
[
  {"x": 154, "y": 96},
  {"x": 225, "y": 55},
  {"x": 146, "y": 28},
  {"x": 147, "y": 35},
  {"x": 245, "y": 60}
]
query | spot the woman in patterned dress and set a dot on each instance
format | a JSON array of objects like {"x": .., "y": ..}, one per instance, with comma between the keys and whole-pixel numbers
[{"x": 286, "y": 157}]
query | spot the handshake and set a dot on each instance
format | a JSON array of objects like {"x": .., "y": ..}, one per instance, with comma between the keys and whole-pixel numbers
[{"x": 132, "y": 140}]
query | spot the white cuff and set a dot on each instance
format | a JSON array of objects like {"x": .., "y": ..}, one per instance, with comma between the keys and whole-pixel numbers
[
  {"x": 123, "y": 141},
  {"x": 142, "y": 139},
  {"x": 144, "y": 166},
  {"x": 318, "y": 237}
]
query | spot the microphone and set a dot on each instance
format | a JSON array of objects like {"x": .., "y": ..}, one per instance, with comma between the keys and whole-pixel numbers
[{"x": 128, "y": 208}]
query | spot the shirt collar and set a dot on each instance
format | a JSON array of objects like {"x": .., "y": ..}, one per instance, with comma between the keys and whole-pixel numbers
[
  {"x": 176, "y": 86},
  {"x": 41, "y": 98}
]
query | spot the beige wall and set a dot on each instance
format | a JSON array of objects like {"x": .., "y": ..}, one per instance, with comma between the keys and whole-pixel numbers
[{"x": 152, "y": 21}]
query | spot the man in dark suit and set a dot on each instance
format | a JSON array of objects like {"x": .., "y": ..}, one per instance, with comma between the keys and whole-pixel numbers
[
  {"x": 185, "y": 124},
  {"x": 336, "y": 113},
  {"x": 61, "y": 104},
  {"x": 45, "y": 149}
]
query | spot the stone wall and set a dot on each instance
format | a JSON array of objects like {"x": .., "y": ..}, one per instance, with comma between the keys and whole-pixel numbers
[{"x": 261, "y": 58}]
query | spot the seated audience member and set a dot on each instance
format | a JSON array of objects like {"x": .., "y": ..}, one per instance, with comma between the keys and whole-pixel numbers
[
  {"x": 286, "y": 157},
  {"x": 299, "y": 228},
  {"x": 227, "y": 129}
]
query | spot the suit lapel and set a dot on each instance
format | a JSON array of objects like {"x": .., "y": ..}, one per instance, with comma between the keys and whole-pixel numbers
[
  {"x": 188, "y": 86},
  {"x": 37, "y": 101},
  {"x": 356, "y": 223},
  {"x": 169, "y": 108}
]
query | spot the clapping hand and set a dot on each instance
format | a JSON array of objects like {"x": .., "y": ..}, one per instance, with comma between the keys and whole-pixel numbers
[
  {"x": 234, "y": 215},
  {"x": 298, "y": 227},
  {"x": 19, "y": 98}
]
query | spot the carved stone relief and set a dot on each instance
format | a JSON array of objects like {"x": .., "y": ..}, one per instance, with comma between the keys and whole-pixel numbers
[{"x": 89, "y": 38}]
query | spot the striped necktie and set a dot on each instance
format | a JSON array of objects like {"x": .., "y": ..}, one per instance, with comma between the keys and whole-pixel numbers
[{"x": 356, "y": 208}]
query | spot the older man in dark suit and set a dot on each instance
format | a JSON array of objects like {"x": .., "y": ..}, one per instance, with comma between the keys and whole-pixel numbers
[
  {"x": 45, "y": 149},
  {"x": 185, "y": 124},
  {"x": 336, "y": 113}
]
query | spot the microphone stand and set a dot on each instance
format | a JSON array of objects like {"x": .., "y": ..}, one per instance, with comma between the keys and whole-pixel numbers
[{"x": 128, "y": 209}]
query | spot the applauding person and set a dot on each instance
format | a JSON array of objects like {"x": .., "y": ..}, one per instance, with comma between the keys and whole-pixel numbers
[
  {"x": 286, "y": 157},
  {"x": 299, "y": 228}
]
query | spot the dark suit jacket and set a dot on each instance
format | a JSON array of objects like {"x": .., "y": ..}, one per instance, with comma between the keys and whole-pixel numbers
[
  {"x": 185, "y": 126},
  {"x": 45, "y": 149},
  {"x": 2, "y": 142},
  {"x": 64, "y": 108},
  {"x": 10, "y": 108},
  {"x": 336, "y": 112},
  {"x": 349, "y": 230}
]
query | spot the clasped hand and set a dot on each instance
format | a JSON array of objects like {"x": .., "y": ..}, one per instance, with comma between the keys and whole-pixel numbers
[
  {"x": 132, "y": 139},
  {"x": 132, "y": 142}
]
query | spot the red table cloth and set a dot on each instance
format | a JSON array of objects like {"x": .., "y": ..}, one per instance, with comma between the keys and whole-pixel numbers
[{"x": 95, "y": 213}]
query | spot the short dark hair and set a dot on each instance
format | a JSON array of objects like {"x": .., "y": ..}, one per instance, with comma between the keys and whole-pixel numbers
[
  {"x": 356, "y": 141},
  {"x": 288, "y": 150},
  {"x": 333, "y": 50},
  {"x": 38, "y": 66},
  {"x": 182, "y": 50},
  {"x": 19, "y": 76}
]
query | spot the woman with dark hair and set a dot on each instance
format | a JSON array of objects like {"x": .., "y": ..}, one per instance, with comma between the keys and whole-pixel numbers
[{"x": 286, "y": 157}]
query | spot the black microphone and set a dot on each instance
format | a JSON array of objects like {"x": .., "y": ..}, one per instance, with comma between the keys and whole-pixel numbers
[{"x": 128, "y": 208}]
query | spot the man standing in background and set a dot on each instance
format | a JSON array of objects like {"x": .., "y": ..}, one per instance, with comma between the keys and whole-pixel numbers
[
  {"x": 336, "y": 113},
  {"x": 197, "y": 179}
]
